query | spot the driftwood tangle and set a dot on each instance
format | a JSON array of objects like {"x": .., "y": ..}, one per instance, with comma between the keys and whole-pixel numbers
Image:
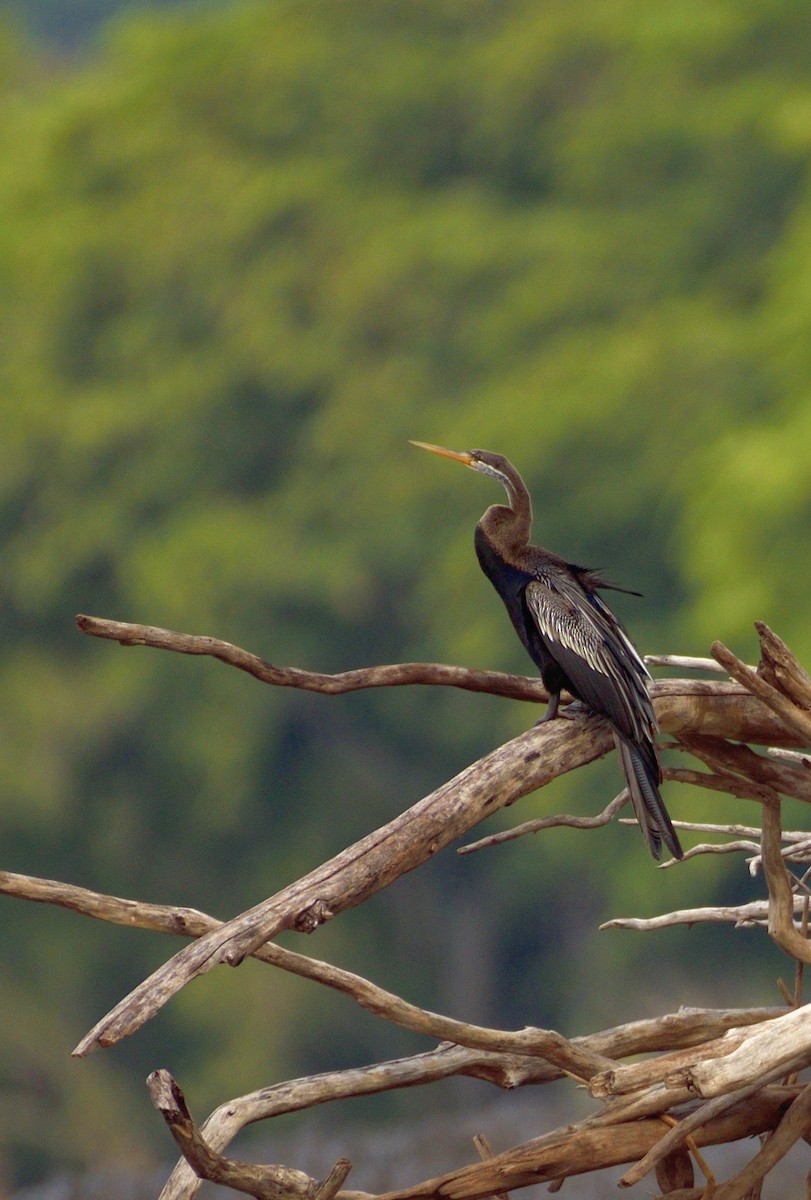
[{"x": 712, "y": 1076}]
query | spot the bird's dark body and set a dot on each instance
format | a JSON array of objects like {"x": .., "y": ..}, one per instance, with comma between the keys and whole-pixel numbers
[
  {"x": 573, "y": 637},
  {"x": 510, "y": 581},
  {"x": 561, "y": 668}
]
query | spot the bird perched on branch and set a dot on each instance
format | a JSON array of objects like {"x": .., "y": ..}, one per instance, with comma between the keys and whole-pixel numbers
[{"x": 572, "y": 636}]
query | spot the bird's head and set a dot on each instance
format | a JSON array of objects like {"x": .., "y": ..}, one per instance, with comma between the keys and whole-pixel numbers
[{"x": 484, "y": 461}]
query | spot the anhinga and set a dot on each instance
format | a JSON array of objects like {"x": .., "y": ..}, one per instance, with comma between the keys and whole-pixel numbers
[{"x": 572, "y": 636}]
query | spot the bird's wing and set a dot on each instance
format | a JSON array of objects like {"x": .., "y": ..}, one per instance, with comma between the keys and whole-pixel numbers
[{"x": 590, "y": 646}]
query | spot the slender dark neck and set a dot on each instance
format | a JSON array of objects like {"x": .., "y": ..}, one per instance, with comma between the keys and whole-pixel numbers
[{"x": 509, "y": 528}]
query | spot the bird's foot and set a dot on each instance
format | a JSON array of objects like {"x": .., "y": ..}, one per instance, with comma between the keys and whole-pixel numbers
[
  {"x": 570, "y": 712},
  {"x": 551, "y": 710}
]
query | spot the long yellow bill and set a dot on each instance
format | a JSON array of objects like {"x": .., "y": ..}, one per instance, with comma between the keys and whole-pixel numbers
[{"x": 463, "y": 457}]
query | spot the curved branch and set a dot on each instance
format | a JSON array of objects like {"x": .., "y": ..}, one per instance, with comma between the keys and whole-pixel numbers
[
  {"x": 565, "y": 820},
  {"x": 564, "y": 1056},
  {"x": 755, "y": 912},
  {"x": 514, "y": 687},
  {"x": 264, "y": 1182}
]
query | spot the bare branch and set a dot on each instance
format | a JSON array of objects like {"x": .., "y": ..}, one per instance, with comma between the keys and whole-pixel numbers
[
  {"x": 711, "y": 707},
  {"x": 719, "y": 848},
  {"x": 513, "y": 770},
  {"x": 792, "y": 756},
  {"x": 757, "y": 1055},
  {"x": 371, "y": 864},
  {"x": 298, "y": 1094},
  {"x": 756, "y": 912},
  {"x": 795, "y": 718},
  {"x": 793, "y": 1126},
  {"x": 546, "y": 1044},
  {"x": 562, "y": 819},
  {"x": 684, "y": 662},
  {"x": 715, "y": 781},
  {"x": 781, "y": 898},
  {"x": 590, "y": 1146},
  {"x": 265, "y": 1183},
  {"x": 672, "y": 1069},
  {"x": 781, "y": 669},
  {"x": 764, "y": 776},
  {"x": 515, "y": 687},
  {"x": 697, "y": 1124},
  {"x": 751, "y": 832}
]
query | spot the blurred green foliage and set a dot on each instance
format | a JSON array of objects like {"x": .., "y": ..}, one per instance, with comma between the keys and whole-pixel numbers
[{"x": 245, "y": 254}]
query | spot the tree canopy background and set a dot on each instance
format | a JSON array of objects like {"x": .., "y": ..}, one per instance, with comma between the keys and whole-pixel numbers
[{"x": 247, "y": 251}]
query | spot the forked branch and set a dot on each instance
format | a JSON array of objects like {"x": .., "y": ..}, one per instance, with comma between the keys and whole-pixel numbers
[{"x": 717, "y": 722}]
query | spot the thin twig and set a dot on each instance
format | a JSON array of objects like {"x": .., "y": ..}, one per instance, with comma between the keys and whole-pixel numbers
[
  {"x": 485, "y": 1151},
  {"x": 796, "y": 757},
  {"x": 755, "y": 912},
  {"x": 562, "y": 819},
  {"x": 718, "y": 848}
]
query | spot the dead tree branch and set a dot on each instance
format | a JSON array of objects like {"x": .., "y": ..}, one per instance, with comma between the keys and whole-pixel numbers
[
  {"x": 371, "y": 864},
  {"x": 733, "y": 1069},
  {"x": 589, "y": 1146},
  {"x": 793, "y": 1126},
  {"x": 514, "y": 687},
  {"x": 713, "y": 707},
  {"x": 566, "y": 820},
  {"x": 792, "y": 715},
  {"x": 518, "y": 1067},
  {"x": 521, "y": 766},
  {"x": 756, "y": 912},
  {"x": 265, "y": 1183}
]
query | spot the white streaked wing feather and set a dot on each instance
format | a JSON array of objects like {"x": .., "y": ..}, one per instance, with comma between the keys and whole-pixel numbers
[{"x": 589, "y": 637}]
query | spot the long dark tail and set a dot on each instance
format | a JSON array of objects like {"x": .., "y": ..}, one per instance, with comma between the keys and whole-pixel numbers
[{"x": 643, "y": 785}]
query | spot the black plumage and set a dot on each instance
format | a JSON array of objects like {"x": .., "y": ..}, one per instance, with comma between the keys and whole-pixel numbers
[{"x": 572, "y": 636}]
